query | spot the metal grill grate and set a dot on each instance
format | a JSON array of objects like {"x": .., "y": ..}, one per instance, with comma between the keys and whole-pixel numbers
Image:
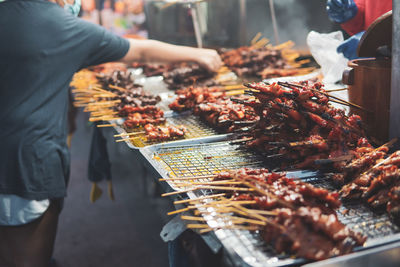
[
  {"x": 205, "y": 159},
  {"x": 358, "y": 216}
]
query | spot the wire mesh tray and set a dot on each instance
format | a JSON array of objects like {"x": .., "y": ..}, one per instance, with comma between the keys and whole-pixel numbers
[
  {"x": 195, "y": 129},
  {"x": 215, "y": 154}
]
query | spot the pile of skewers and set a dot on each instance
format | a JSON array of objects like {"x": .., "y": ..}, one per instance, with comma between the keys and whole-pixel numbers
[
  {"x": 156, "y": 133},
  {"x": 264, "y": 61},
  {"x": 292, "y": 122},
  {"x": 295, "y": 217},
  {"x": 188, "y": 74},
  {"x": 152, "y": 69},
  {"x": 298, "y": 123},
  {"x": 213, "y": 105},
  {"x": 298, "y": 126},
  {"x": 180, "y": 75},
  {"x": 375, "y": 179},
  {"x": 116, "y": 96},
  {"x": 225, "y": 115}
]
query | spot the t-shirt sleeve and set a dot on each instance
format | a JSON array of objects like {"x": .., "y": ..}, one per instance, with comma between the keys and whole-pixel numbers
[{"x": 105, "y": 46}]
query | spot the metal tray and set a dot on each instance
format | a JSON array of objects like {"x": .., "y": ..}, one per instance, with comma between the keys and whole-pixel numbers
[
  {"x": 195, "y": 129},
  {"x": 211, "y": 155}
]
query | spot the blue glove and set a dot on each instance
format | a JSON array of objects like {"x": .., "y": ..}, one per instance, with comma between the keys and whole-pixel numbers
[
  {"x": 341, "y": 11},
  {"x": 349, "y": 47}
]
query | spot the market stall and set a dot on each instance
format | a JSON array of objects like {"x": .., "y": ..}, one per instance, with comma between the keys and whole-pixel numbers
[
  {"x": 262, "y": 156},
  {"x": 211, "y": 142}
]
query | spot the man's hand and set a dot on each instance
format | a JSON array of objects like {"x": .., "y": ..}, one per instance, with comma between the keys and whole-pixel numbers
[
  {"x": 341, "y": 11},
  {"x": 208, "y": 59},
  {"x": 349, "y": 47}
]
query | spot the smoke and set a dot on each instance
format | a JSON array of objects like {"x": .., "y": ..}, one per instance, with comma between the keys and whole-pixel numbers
[
  {"x": 295, "y": 19},
  {"x": 292, "y": 20}
]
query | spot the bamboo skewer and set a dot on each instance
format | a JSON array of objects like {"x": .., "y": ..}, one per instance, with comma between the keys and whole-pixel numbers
[
  {"x": 101, "y": 103},
  {"x": 254, "y": 215},
  {"x": 234, "y": 220},
  {"x": 284, "y": 45},
  {"x": 198, "y": 226},
  {"x": 304, "y": 61},
  {"x": 189, "y": 177},
  {"x": 178, "y": 192},
  {"x": 337, "y": 90},
  {"x": 98, "y": 89},
  {"x": 229, "y": 219},
  {"x": 343, "y": 102},
  {"x": 123, "y": 140},
  {"x": 255, "y": 38},
  {"x": 188, "y": 208},
  {"x": 104, "y": 118},
  {"x": 192, "y": 218},
  {"x": 262, "y": 218},
  {"x": 118, "y": 88},
  {"x": 260, "y": 43},
  {"x": 106, "y": 125},
  {"x": 346, "y": 103},
  {"x": 129, "y": 134},
  {"x": 265, "y": 193},
  {"x": 234, "y": 87},
  {"x": 234, "y": 227},
  {"x": 235, "y": 92},
  {"x": 180, "y": 210},
  {"x": 103, "y": 113},
  {"x": 181, "y": 179},
  {"x": 223, "y": 182},
  {"x": 199, "y": 198},
  {"x": 225, "y": 188}
]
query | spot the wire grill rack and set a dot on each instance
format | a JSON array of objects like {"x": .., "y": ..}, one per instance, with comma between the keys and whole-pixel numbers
[
  {"x": 196, "y": 159},
  {"x": 359, "y": 217},
  {"x": 205, "y": 159}
]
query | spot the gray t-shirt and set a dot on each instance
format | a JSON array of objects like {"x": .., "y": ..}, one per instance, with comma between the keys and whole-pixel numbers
[{"x": 41, "y": 47}]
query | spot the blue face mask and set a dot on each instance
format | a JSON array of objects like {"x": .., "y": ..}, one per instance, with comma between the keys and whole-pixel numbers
[{"x": 73, "y": 9}]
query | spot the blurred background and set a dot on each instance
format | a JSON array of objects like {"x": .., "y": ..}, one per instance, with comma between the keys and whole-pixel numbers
[{"x": 222, "y": 23}]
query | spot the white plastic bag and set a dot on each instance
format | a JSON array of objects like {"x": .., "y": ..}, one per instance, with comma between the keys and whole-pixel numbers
[{"x": 323, "y": 48}]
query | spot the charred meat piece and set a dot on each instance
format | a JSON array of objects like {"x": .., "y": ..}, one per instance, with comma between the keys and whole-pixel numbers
[
  {"x": 187, "y": 75},
  {"x": 277, "y": 186},
  {"x": 300, "y": 113},
  {"x": 264, "y": 62},
  {"x": 164, "y": 133},
  {"x": 311, "y": 234},
  {"x": 140, "y": 116}
]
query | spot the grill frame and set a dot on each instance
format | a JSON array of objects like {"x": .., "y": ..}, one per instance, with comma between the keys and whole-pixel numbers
[{"x": 234, "y": 240}]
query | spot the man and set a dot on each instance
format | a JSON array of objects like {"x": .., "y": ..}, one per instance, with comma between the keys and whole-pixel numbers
[
  {"x": 355, "y": 16},
  {"x": 42, "y": 45}
]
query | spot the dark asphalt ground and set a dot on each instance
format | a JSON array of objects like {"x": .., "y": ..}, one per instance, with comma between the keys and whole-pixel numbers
[{"x": 122, "y": 233}]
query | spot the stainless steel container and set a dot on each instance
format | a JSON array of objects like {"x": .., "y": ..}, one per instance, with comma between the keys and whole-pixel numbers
[{"x": 232, "y": 23}]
